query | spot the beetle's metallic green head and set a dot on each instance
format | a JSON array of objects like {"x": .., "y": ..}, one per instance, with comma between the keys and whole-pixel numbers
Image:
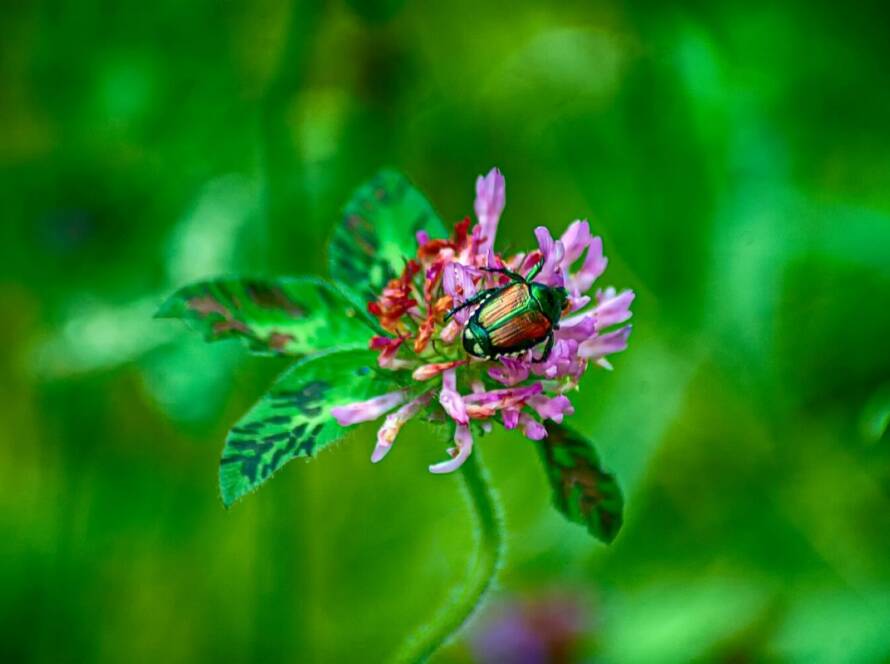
[{"x": 553, "y": 300}]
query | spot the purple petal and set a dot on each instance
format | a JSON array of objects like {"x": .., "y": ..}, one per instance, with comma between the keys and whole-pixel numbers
[
  {"x": 478, "y": 388},
  {"x": 510, "y": 372},
  {"x": 612, "y": 342},
  {"x": 477, "y": 240},
  {"x": 450, "y": 331},
  {"x": 510, "y": 416},
  {"x": 464, "y": 440},
  {"x": 580, "y": 327},
  {"x": 579, "y": 302},
  {"x": 490, "y": 194},
  {"x": 594, "y": 265},
  {"x": 551, "y": 409},
  {"x": 575, "y": 240},
  {"x": 553, "y": 252},
  {"x": 613, "y": 309},
  {"x": 451, "y": 400},
  {"x": 394, "y": 422},
  {"x": 457, "y": 281},
  {"x": 363, "y": 411},
  {"x": 422, "y": 237},
  {"x": 493, "y": 397},
  {"x": 563, "y": 361},
  {"x": 532, "y": 429},
  {"x": 490, "y": 201}
]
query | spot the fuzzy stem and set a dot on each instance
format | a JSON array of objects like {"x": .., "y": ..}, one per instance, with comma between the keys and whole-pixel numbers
[{"x": 490, "y": 543}]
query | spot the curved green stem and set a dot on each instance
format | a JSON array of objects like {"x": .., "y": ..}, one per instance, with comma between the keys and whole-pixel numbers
[{"x": 490, "y": 541}]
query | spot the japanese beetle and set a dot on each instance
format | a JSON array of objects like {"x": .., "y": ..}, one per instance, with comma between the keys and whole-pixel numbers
[{"x": 512, "y": 318}]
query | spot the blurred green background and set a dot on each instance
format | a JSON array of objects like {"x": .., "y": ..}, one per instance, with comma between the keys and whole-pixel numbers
[{"x": 734, "y": 157}]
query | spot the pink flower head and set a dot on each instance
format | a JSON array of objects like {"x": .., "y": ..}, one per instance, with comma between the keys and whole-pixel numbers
[{"x": 427, "y": 309}]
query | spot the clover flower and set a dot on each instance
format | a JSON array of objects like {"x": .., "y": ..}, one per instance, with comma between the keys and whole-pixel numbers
[
  {"x": 524, "y": 391},
  {"x": 549, "y": 627},
  {"x": 414, "y": 322},
  {"x": 461, "y": 335}
]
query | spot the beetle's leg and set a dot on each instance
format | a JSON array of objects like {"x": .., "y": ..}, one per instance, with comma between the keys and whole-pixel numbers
[
  {"x": 502, "y": 270},
  {"x": 547, "y": 349},
  {"x": 535, "y": 271},
  {"x": 481, "y": 295}
]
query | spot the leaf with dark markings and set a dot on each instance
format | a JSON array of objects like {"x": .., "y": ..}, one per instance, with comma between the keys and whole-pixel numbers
[
  {"x": 288, "y": 315},
  {"x": 294, "y": 418},
  {"x": 377, "y": 234},
  {"x": 582, "y": 490}
]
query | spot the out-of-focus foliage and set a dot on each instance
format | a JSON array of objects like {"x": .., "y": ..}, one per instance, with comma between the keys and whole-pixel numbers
[{"x": 736, "y": 160}]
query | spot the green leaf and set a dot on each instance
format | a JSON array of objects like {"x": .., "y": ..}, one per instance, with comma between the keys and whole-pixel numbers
[
  {"x": 582, "y": 490},
  {"x": 294, "y": 418},
  {"x": 377, "y": 234},
  {"x": 289, "y": 315}
]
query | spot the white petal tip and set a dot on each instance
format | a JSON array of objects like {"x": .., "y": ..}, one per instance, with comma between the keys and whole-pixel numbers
[
  {"x": 452, "y": 464},
  {"x": 379, "y": 452}
]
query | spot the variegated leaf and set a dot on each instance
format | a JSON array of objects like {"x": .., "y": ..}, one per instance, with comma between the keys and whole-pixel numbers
[
  {"x": 377, "y": 234},
  {"x": 289, "y": 315},
  {"x": 294, "y": 418},
  {"x": 582, "y": 490}
]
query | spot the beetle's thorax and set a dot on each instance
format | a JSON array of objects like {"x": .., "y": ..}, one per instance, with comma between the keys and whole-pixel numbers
[{"x": 552, "y": 300}]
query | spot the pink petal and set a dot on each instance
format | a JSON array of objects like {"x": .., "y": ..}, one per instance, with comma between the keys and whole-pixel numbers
[
  {"x": 394, "y": 422},
  {"x": 457, "y": 281},
  {"x": 510, "y": 416},
  {"x": 510, "y": 371},
  {"x": 613, "y": 309},
  {"x": 428, "y": 371},
  {"x": 501, "y": 398},
  {"x": 580, "y": 327},
  {"x": 553, "y": 252},
  {"x": 363, "y": 411},
  {"x": 490, "y": 200},
  {"x": 551, "y": 409},
  {"x": 575, "y": 240},
  {"x": 490, "y": 194},
  {"x": 612, "y": 342},
  {"x": 464, "y": 440},
  {"x": 451, "y": 400},
  {"x": 594, "y": 265},
  {"x": 532, "y": 429},
  {"x": 564, "y": 361},
  {"x": 578, "y": 303},
  {"x": 450, "y": 331}
]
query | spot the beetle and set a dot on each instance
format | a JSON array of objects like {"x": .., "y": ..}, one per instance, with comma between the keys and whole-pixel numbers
[{"x": 514, "y": 317}]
